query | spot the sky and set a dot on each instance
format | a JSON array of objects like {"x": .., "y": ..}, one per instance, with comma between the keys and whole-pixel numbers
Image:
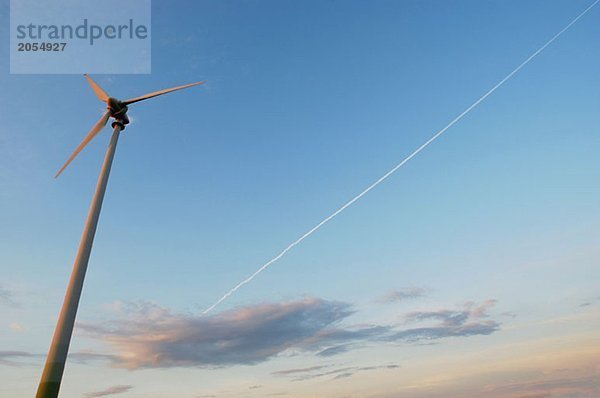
[{"x": 472, "y": 271}]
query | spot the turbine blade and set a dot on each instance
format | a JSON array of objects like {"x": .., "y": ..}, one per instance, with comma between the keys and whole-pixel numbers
[
  {"x": 93, "y": 132},
  {"x": 161, "y": 92},
  {"x": 97, "y": 89}
]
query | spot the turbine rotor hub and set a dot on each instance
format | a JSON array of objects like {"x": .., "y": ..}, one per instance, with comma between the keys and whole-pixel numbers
[{"x": 118, "y": 110}]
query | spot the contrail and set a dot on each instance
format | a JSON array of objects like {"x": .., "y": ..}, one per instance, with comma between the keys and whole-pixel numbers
[{"x": 402, "y": 163}]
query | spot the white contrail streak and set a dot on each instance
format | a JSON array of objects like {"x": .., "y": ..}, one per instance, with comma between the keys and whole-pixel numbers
[{"x": 409, "y": 157}]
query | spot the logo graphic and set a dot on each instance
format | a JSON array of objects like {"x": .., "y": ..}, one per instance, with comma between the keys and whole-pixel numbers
[{"x": 80, "y": 36}]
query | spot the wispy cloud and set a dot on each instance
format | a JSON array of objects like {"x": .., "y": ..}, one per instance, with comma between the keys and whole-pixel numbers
[
  {"x": 402, "y": 294},
  {"x": 335, "y": 350},
  {"x": 590, "y": 302},
  {"x": 15, "y": 358},
  {"x": 288, "y": 372},
  {"x": 150, "y": 336},
  {"x": 471, "y": 320},
  {"x": 337, "y": 373},
  {"x": 109, "y": 391},
  {"x": 20, "y": 358},
  {"x": 87, "y": 357},
  {"x": 7, "y": 296}
]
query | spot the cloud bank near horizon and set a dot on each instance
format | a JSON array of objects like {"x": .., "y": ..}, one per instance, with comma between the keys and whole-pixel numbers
[{"x": 147, "y": 335}]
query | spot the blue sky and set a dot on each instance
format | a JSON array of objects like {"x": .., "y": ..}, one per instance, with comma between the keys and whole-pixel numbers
[{"x": 473, "y": 270}]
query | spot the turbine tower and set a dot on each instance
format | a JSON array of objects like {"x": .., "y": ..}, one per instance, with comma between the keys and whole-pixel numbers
[{"x": 57, "y": 355}]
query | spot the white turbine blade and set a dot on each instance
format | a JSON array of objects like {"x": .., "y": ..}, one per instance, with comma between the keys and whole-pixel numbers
[
  {"x": 161, "y": 92},
  {"x": 97, "y": 89},
  {"x": 93, "y": 132}
]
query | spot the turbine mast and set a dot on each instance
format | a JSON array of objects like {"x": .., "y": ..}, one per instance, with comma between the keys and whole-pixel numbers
[{"x": 57, "y": 356}]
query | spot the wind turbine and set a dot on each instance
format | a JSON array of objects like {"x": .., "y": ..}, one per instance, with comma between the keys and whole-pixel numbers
[{"x": 57, "y": 355}]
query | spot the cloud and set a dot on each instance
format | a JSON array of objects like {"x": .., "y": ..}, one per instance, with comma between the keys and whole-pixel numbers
[
  {"x": 535, "y": 395},
  {"x": 16, "y": 358},
  {"x": 149, "y": 336},
  {"x": 339, "y": 373},
  {"x": 87, "y": 357},
  {"x": 109, "y": 391},
  {"x": 403, "y": 294},
  {"x": 299, "y": 370},
  {"x": 471, "y": 320},
  {"x": 12, "y": 358},
  {"x": 590, "y": 302},
  {"x": 152, "y": 336},
  {"x": 335, "y": 341},
  {"x": 335, "y": 350},
  {"x": 7, "y": 297},
  {"x": 343, "y": 375}
]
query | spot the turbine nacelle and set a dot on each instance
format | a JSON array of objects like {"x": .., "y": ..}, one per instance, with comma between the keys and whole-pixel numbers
[{"x": 118, "y": 110}]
